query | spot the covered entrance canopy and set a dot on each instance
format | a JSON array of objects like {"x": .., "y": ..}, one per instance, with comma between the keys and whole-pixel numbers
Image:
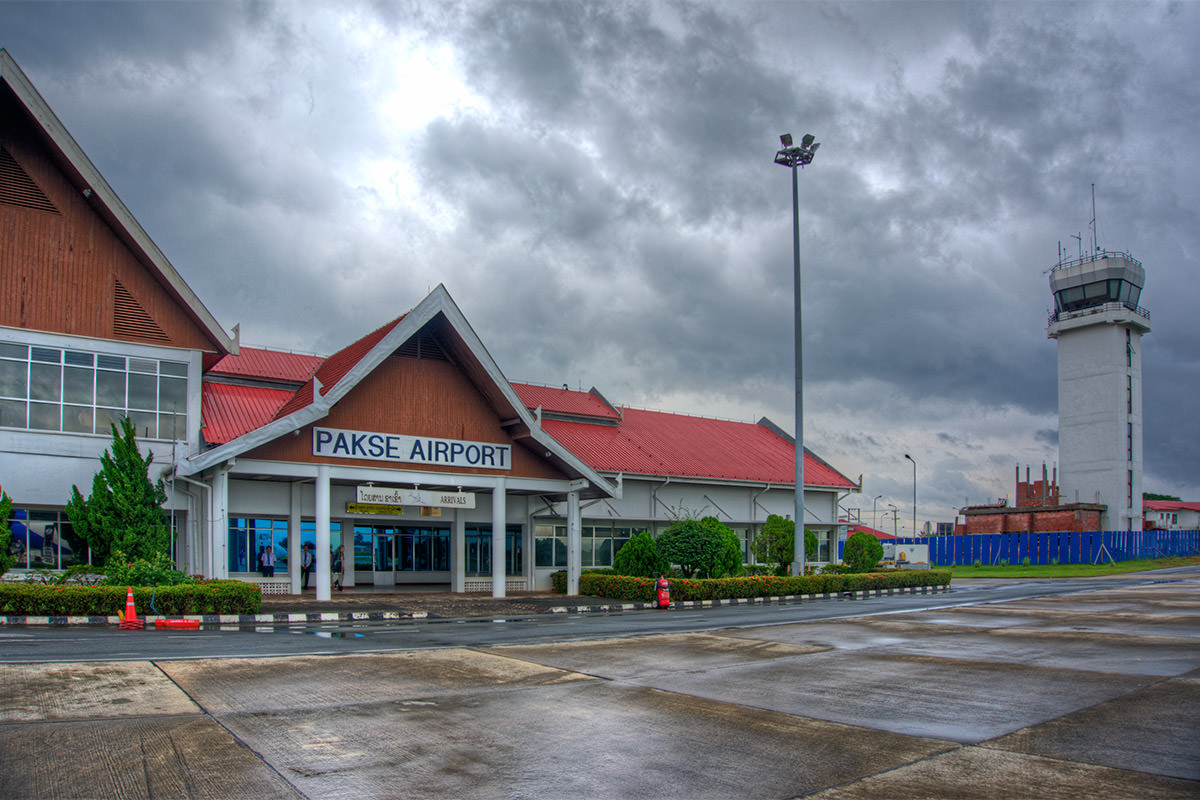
[{"x": 418, "y": 405}]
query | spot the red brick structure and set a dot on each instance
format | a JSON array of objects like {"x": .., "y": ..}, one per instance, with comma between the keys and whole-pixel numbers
[{"x": 1037, "y": 510}]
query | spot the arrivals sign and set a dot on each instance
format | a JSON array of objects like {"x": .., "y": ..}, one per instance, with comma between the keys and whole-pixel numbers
[
  {"x": 388, "y": 496},
  {"x": 331, "y": 442}
]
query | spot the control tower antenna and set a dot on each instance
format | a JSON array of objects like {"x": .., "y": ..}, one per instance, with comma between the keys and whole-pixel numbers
[{"x": 1095, "y": 233}]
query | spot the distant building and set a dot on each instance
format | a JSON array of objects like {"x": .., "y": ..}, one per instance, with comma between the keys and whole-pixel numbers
[
  {"x": 1171, "y": 515},
  {"x": 1037, "y": 510}
]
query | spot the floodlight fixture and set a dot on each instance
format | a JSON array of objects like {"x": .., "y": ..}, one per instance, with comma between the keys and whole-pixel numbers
[
  {"x": 786, "y": 140},
  {"x": 807, "y": 141}
]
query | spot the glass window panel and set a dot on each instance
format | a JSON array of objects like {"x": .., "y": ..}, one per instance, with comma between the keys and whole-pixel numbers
[
  {"x": 423, "y": 552},
  {"x": 47, "y": 355},
  {"x": 78, "y": 385},
  {"x": 560, "y": 552},
  {"x": 1114, "y": 289},
  {"x": 111, "y": 362},
  {"x": 145, "y": 423},
  {"x": 543, "y": 551},
  {"x": 78, "y": 359},
  {"x": 110, "y": 388},
  {"x": 441, "y": 551},
  {"x": 12, "y": 414},
  {"x": 362, "y": 547},
  {"x": 172, "y": 426},
  {"x": 172, "y": 394},
  {"x": 77, "y": 419},
  {"x": 1135, "y": 294},
  {"x": 107, "y": 417},
  {"x": 10, "y": 350},
  {"x": 1093, "y": 290},
  {"x": 143, "y": 391},
  {"x": 172, "y": 368},
  {"x": 14, "y": 378},
  {"x": 44, "y": 416},
  {"x": 603, "y": 552},
  {"x": 384, "y": 547},
  {"x": 143, "y": 365},
  {"x": 45, "y": 382}
]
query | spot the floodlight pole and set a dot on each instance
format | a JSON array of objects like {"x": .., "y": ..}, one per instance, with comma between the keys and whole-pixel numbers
[
  {"x": 914, "y": 463},
  {"x": 797, "y": 156}
]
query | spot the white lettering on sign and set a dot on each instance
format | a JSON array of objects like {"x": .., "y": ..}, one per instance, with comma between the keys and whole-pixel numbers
[
  {"x": 331, "y": 442},
  {"x": 385, "y": 495}
]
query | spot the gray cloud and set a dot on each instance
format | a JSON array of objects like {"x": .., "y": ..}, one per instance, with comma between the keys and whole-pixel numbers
[{"x": 593, "y": 183}]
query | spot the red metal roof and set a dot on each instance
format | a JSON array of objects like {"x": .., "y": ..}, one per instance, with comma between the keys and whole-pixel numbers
[
  {"x": 230, "y": 411},
  {"x": 660, "y": 443},
  {"x": 853, "y": 529},
  {"x": 1170, "y": 505},
  {"x": 254, "y": 362},
  {"x": 334, "y": 368},
  {"x": 564, "y": 401}
]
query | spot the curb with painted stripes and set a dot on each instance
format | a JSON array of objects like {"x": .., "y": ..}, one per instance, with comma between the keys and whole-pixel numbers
[{"x": 379, "y": 616}]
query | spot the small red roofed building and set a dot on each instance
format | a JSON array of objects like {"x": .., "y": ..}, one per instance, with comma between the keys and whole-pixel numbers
[{"x": 1171, "y": 515}]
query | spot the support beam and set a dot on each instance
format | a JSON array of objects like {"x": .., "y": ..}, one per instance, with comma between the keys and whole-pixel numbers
[
  {"x": 295, "y": 546},
  {"x": 499, "y": 531},
  {"x": 574, "y": 543},
  {"x": 324, "y": 579}
]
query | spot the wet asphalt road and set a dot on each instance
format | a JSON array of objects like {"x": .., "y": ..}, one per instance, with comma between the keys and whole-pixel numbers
[{"x": 1053, "y": 689}]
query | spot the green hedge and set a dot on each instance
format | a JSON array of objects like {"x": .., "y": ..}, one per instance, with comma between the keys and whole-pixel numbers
[
  {"x": 620, "y": 587},
  {"x": 208, "y": 597}
]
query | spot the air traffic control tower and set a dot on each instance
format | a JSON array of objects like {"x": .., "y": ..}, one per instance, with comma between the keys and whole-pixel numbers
[{"x": 1099, "y": 328}]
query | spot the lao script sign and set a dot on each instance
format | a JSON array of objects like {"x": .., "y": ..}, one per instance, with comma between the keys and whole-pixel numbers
[{"x": 389, "y": 496}]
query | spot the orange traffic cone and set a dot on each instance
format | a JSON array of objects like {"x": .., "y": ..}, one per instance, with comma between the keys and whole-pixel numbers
[{"x": 130, "y": 621}]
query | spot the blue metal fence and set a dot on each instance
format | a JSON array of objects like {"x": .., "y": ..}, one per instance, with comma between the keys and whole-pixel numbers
[{"x": 1088, "y": 547}]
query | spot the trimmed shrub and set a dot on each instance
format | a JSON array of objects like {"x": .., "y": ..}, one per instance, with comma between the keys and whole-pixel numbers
[
  {"x": 201, "y": 597},
  {"x": 619, "y": 587},
  {"x": 639, "y": 557},
  {"x": 157, "y": 570},
  {"x": 862, "y": 552}
]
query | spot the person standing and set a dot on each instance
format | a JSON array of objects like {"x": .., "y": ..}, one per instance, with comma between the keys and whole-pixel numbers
[
  {"x": 307, "y": 558},
  {"x": 339, "y": 567},
  {"x": 268, "y": 561}
]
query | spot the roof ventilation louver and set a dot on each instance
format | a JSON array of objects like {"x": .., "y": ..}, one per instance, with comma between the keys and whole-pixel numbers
[
  {"x": 18, "y": 189},
  {"x": 131, "y": 320},
  {"x": 423, "y": 345}
]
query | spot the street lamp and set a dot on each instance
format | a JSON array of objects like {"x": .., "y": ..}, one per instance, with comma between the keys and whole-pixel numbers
[
  {"x": 874, "y": 519},
  {"x": 792, "y": 156},
  {"x": 914, "y": 462}
]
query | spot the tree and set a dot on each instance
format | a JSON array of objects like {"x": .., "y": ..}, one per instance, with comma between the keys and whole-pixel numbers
[
  {"x": 640, "y": 557},
  {"x": 124, "y": 512},
  {"x": 862, "y": 552},
  {"x": 703, "y": 547},
  {"x": 1153, "y": 496},
  {"x": 776, "y": 543},
  {"x": 726, "y": 558},
  {"x": 6, "y": 559}
]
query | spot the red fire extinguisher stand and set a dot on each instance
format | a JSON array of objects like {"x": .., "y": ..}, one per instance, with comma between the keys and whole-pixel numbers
[{"x": 663, "y": 590}]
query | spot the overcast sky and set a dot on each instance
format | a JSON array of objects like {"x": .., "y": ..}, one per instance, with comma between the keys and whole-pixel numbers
[{"x": 593, "y": 183}]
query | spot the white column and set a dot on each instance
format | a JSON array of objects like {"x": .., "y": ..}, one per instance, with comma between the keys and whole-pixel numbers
[
  {"x": 574, "y": 543},
  {"x": 499, "y": 530},
  {"x": 347, "y": 539},
  {"x": 458, "y": 552},
  {"x": 295, "y": 551},
  {"x": 322, "y": 522},
  {"x": 218, "y": 544}
]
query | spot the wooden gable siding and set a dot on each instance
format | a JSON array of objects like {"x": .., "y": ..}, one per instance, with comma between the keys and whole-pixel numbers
[
  {"x": 66, "y": 271},
  {"x": 414, "y": 397}
]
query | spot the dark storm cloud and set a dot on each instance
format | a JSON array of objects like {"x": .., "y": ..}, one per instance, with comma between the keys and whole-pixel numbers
[{"x": 604, "y": 205}]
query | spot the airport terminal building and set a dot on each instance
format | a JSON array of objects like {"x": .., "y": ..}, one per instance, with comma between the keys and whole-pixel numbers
[{"x": 407, "y": 449}]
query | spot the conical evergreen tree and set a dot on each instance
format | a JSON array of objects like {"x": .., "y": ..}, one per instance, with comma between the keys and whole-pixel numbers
[
  {"x": 124, "y": 512},
  {"x": 6, "y": 560}
]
